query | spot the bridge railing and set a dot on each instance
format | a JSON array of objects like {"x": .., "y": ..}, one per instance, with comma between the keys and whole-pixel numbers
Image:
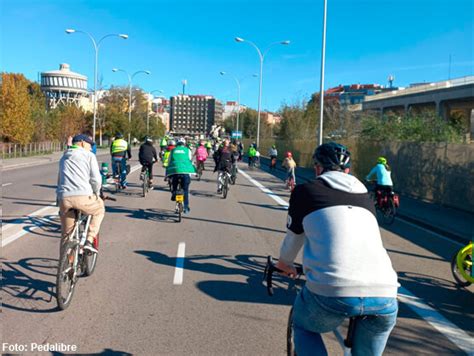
[{"x": 423, "y": 88}]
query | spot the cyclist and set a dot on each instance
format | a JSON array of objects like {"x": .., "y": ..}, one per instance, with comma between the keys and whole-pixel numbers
[
  {"x": 383, "y": 174},
  {"x": 224, "y": 161},
  {"x": 179, "y": 168},
  {"x": 290, "y": 165},
  {"x": 348, "y": 271},
  {"x": 240, "y": 147},
  {"x": 163, "y": 145},
  {"x": 273, "y": 153},
  {"x": 119, "y": 150},
  {"x": 252, "y": 154},
  {"x": 201, "y": 155},
  {"x": 208, "y": 147},
  {"x": 79, "y": 184},
  {"x": 147, "y": 156}
]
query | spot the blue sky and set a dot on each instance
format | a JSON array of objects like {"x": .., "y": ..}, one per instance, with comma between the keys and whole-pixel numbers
[{"x": 366, "y": 41}]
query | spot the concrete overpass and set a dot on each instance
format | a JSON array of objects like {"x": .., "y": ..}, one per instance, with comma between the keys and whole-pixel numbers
[{"x": 446, "y": 97}]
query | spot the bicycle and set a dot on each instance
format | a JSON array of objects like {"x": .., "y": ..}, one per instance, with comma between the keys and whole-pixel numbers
[
  {"x": 199, "y": 168},
  {"x": 145, "y": 177},
  {"x": 73, "y": 261},
  {"x": 179, "y": 197},
  {"x": 224, "y": 178},
  {"x": 290, "y": 183},
  {"x": 386, "y": 203},
  {"x": 118, "y": 175},
  {"x": 461, "y": 266},
  {"x": 346, "y": 343}
]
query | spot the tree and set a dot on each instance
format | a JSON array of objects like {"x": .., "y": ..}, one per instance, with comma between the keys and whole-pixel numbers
[{"x": 15, "y": 110}]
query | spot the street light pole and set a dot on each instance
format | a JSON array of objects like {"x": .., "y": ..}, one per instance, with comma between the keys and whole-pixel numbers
[
  {"x": 96, "y": 64},
  {"x": 238, "y": 95},
  {"x": 321, "y": 85},
  {"x": 130, "y": 78},
  {"x": 148, "y": 111},
  {"x": 262, "y": 57}
]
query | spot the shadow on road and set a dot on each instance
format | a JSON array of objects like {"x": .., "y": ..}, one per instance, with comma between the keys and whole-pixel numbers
[
  {"x": 47, "y": 226},
  {"x": 23, "y": 292},
  {"x": 249, "y": 266},
  {"x": 267, "y": 206}
]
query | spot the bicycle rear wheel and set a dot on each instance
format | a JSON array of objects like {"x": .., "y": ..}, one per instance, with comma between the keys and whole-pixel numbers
[
  {"x": 145, "y": 185},
  {"x": 180, "y": 211},
  {"x": 388, "y": 212},
  {"x": 67, "y": 275},
  {"x": 225, "y": 187}
]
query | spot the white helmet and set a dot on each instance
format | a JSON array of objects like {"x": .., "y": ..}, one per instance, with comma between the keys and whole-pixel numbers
[{"x": 181, "y": 141}]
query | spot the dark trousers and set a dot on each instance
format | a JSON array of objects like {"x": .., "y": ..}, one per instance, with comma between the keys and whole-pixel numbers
[
  {"x": 185, "y": 180},
  {"x": 150, "y": 168}
]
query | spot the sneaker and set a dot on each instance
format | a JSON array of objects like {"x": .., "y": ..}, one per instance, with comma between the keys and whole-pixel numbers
[
  {"x": 89, "y": 246},
  {"x": 186, "y": 210}
]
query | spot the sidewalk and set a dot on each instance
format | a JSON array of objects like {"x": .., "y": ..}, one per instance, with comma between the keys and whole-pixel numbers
[{"x": 453, "y": 223}]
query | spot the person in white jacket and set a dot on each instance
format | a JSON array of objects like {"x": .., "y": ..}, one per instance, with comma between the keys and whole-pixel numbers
[{"x": 348, "y": 271}]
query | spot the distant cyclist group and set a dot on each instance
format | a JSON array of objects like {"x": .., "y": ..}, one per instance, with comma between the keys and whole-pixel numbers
[{"x": 348, "y": 271}]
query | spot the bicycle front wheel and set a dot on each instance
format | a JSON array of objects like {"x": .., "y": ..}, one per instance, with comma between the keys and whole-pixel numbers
[
  {"x": 67, "y": 275},
  {"x": 461, "y": 266},
  {"x": 290, "y": 340},
  {"x": 388, "y": 212}
]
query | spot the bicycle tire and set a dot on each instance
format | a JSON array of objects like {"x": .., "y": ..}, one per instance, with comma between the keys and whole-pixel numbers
[
  {"x": 145, "y": 185},
  {"x": 460, "y": 276},
  {"x": 66, "y": 270},
  {"x": 390, "y": 212},
  {"x": 290, "y": 342},
  {"x": 180, "y": 212},
  {"x": 225, "y": 188}
]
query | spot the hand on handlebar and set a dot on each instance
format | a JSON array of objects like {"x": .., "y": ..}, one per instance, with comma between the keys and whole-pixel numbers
[{"x": 287, "y": 270}]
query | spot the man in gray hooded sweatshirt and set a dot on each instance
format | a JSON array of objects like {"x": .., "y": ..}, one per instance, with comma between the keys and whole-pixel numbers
[
  {"x": 79, "y": 184},
  {"x": 348, "y": 271}
]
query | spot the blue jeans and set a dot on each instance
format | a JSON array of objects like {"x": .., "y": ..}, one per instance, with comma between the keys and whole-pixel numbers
[
  {"x": 315, "y": 314},
  {"x": 123, "y": 169},
  {"x": 185, "y": 182}
]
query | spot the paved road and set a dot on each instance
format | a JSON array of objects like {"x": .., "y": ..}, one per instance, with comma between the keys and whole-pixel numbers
[{"x": 131, "y": 304}]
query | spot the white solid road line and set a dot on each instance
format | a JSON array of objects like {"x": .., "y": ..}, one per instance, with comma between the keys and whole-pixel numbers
[
  {"x": 178, "y": 272},
  {"x": 6, "y": 184},
  {"x": 29, "y": 226},
  {"x": 267, "y": 191},
  {"x": 430, "y": 315},
  {"x": 457, "y": 336},
  {"x": 26, "y": 228}
]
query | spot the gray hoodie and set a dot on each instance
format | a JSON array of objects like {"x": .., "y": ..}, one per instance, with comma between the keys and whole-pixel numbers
[
  {"x": 343, "y": 256},
  {"x": 78, "y": 174}
]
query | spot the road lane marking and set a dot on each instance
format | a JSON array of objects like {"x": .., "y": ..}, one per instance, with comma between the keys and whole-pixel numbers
[
  {"x": 427, "y": 313},
  {"x": 267, "y": 191},
  {"x": 456, "y": 335},
  {"x": 6, "y": 184},
  {"x": 133, "y": 169},
  {"x": 29, "y": 226},
  {"x": 17, "y": 222},
  {"x": 178, "y": 272}
]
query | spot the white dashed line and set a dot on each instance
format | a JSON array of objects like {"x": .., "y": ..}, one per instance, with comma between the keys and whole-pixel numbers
[
  {"x": 178, "y": 272},
  {"x": 267, "y": 191},
  {"x": 6, "y": 184}
]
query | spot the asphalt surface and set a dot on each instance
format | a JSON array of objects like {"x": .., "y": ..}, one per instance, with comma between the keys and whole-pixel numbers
[{"x": 130, "y": 305}]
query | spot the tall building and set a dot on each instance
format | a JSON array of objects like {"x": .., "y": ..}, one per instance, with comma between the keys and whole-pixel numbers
[
  {"x": 194, "y": 114},
  {"x": 231, "y": 108},
  {"x": 353, "y": 94}
]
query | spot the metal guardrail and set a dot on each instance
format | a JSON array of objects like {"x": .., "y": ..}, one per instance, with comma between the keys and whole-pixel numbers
[
  {"x": 15, "y": 150},
  {"x": 422, "y": 88}
]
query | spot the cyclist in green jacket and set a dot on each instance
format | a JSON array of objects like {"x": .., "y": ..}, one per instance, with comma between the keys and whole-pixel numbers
[
  {"x": 120, "y": 150},
  {"x": 252, "y": 153},
  {"x": 179, "y": 168}
]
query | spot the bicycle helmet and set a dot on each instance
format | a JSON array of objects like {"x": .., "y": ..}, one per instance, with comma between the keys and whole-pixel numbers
[
  {"x": 274, "y": 146},
  {"x": 181, "y": 141},
  {"x": 382, "y": 160},
  {"x": 148, "y": 139},
  {"x": 332, "y": 156},
  {"x": 288, "y": 154},
  {"x": 118, "y": 135},
  {"x": 172, "y": 143}
]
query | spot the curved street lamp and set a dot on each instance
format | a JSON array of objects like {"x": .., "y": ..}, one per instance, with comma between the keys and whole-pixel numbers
[
  {"x": 130, "y": 79},
  {"x": 96, "y": 49},
  {"x": 261, "y": 56}
]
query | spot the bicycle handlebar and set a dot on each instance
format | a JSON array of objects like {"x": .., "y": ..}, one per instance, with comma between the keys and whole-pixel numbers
[{"x": 270, "y": 268}]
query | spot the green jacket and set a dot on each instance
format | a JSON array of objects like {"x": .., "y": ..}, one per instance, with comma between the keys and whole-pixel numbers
[
  {"x": 180, "y": 162},
  {"x": 163, "y": 142},
  {"x": 252, "y": 152}
]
